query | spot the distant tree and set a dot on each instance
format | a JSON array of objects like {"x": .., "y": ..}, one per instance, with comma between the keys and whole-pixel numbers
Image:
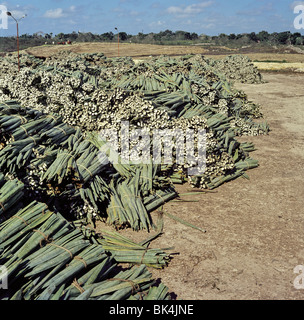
[
  {"x": 141, "y": 36},
  {"x": 297, "y": 34},
  {"x": 294, "y": 37},
  {"x": 90, "y": 36},
  {"x": 253, "y": 37},
  {"x": 108, "y": 36},
  {"x": 149, "y": 38},
  {"x": 123, "y": 36},
  {"x": 283, "y": 37},
  {"x": 204, "y": 37},
  {"x": 273, "y": 37},
  {"x": 26, "y": 36},
  {"x": 86, "y": 37},
  {"x": 156, "y": 36},
  {"x": 165, "y": 35},
  {"x": 73, "y": 36},
  {"x": 232, "y": 36},
  {"x": 243, "y": 39},
  {"x": 60, "y": 36},
  {"x": 194, "y": 36},
  {"x": 299, "y": 41},
  {"x": 187, "y": 36},
  {"x": 180, "y": 35},
  {"x": 222, "y": 39},
  {"x": 263, "y": 36}
]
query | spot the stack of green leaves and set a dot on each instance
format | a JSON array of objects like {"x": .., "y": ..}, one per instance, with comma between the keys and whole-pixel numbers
[
  {"x": 46, "y": 257},
  {"x": 11, "y": 193},
  {"x": 124, "y": 285},
  {"x": 125, "y": 250}
]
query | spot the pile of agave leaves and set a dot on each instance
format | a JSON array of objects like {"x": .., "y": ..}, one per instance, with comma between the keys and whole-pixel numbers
[{"x": 55, "y": 182}]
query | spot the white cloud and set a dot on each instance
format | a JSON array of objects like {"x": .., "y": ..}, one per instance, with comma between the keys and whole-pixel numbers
[
  {"x": 158, "y": 23},
  {"x": 192, "y": 9},
  {"x": 60, "y": 13},
  {"x": 54, "y": 13}
]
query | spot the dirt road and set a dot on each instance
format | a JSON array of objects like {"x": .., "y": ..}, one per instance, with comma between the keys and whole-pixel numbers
[{"x": 255, "y": 229}]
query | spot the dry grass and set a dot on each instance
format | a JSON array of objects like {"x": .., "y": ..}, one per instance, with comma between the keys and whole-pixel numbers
[
  {"x": 289, "y": 57},
  {"x": 270, "y": 66},
  {"x": 111, "y": 50},
  {"x": 294, "y": 61}
]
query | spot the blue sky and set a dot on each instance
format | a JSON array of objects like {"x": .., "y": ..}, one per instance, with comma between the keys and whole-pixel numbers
[{"x": 210, "y": 17}]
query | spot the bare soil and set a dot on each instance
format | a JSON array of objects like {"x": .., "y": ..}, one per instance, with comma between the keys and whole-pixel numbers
[
  {"x": 275, "y": 66},
  {"x": 142, "y": 51},
  {"x": 254, "y": 237},
  {"x": 138, "y": 51}
]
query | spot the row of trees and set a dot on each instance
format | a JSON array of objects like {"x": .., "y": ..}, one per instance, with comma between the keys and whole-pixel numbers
[
  {"x": 8, "y": 44},
  {"x": 263, "y": 36},
  {"x": 169, "y": 36},
  {"x": 163, "y": 37}
]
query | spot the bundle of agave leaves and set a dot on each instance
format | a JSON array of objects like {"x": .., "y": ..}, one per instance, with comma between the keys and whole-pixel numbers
[
  {"x": 233, "y": 67},
  {"x": 97, "y": 93},
  {"x": 47, "y": 258},
  {"x": 82, "y": 89},
  {"x": 60, "y": 166}
]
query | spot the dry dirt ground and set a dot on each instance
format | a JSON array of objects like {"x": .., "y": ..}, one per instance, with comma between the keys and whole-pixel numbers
[
  {"x": 142, "y": 51},
  {"x": 254, "y": 237},
  {"x": 293, "y": 61},
  {"x": 275, "y": 66},
  {"x": 111, "y": 49}
]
